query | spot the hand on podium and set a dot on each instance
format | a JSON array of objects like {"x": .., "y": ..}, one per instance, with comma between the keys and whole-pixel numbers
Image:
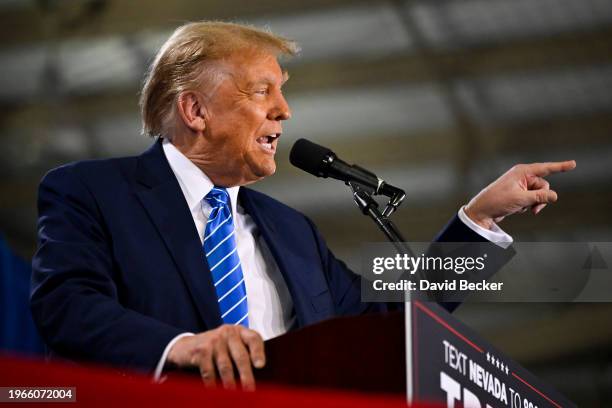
[{"x": 216, "y": 352}]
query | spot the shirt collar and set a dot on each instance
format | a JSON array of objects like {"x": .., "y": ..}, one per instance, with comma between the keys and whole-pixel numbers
[{"x": 193, "y": 182}]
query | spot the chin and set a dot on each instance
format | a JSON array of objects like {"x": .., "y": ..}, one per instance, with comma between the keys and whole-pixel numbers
[
  {"x": 258, "y": 173},
  {"x": 267, "y": 171}
]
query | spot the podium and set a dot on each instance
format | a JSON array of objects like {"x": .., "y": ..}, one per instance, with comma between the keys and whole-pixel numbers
[
  {"x": 424, "y": 353},
  {"x": 365, "y": 353}
]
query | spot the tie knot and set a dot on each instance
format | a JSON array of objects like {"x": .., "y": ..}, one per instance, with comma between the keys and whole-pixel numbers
[{"x": 218, "y": 195}]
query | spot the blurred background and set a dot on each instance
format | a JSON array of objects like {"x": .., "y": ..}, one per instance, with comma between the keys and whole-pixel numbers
[{"x": 437, "y": 97}]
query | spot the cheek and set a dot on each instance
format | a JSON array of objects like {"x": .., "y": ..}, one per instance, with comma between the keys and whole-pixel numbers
[
  {"x": 241, "y": 128},
  {"x": 255, "y": 118}
]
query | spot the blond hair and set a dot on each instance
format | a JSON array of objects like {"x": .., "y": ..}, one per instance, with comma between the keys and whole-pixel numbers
[{"x": 186, "y": 62}]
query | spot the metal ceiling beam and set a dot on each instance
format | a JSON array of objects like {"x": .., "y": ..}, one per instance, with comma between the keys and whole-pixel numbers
[
  {"x": 419, "y": 148},
  {"x": 416, "y": 148},
  {"x": 544, "y": 54},
  {"x": 539, "y": 54},
  {"x": 63, "y": 20},
  {"x": 381, "y": 150}
]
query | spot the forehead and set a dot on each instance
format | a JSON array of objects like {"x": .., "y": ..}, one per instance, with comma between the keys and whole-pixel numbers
[{"x": 252, "y": 69}]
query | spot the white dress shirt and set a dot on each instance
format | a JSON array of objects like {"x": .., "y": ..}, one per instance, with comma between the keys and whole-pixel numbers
[{"x": 269, "y": 302}]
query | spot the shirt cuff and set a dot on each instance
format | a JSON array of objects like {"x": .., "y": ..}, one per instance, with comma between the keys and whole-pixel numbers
[
  {"x": 162, "y": 361},
  {"x": 496, "y": 235}
]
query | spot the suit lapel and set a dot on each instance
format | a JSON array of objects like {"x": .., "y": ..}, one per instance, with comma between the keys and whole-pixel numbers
[
  {"x": 303, "y": 286},
  {"x": 162, "y": 198}
]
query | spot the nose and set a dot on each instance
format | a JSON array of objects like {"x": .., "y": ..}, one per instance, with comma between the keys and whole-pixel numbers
[{"x": 281, "y": 110}]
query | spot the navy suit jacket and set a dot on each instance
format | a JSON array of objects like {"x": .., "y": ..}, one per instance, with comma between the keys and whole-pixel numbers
[{"x": 119, "y": 269}]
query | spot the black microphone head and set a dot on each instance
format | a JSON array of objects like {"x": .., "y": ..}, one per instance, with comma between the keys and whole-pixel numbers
[{"x": 310, "y": 157}]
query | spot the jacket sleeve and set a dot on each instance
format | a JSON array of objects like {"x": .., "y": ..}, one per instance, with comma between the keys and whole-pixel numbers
[
  {"x": 345, "y": 285},
  {"x": 74, "y": 300},
  {"x": 475, "y": 245}
]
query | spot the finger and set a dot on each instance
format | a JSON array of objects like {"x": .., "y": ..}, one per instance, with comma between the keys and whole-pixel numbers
[
  {"x": 224, "y": 365},
  {"x": 206, "y": 367},
  {"x": 242, "y": 361},
  {"x": 256, "y": 347},
  {"x": 544, "y": 169},
  {"x": 537, "y": 183},
  {"x": 541, "y": 196},
  {"x": 537, "y": 208}
]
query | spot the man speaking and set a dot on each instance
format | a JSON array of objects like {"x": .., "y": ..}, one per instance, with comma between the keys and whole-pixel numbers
[{"x": 166, "y": 259}]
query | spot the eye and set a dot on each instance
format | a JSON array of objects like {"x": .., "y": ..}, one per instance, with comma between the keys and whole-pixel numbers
[{"x": 263, "y": 91}]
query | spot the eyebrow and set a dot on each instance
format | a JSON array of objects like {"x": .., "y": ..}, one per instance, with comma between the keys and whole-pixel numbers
[{"x": 269, "y": 80}]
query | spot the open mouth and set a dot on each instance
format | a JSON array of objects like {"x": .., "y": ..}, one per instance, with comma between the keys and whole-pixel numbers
[{"x": 267, "y": 142}]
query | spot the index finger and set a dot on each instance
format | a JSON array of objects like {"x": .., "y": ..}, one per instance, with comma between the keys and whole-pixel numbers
[
  {"x": 256, "y": 347},
  {"x": 544, "y": 169}
]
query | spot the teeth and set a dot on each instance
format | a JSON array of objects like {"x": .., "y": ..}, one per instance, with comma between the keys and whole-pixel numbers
[
  {"x": 267, "y": 138},
  {"x": 267, "y": 141}
]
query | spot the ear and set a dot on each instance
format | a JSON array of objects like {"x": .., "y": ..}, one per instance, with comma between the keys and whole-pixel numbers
[{"x": 191, "y": 109}]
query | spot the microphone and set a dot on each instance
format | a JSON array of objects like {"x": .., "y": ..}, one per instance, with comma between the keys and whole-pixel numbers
[{"x": 322, "y": 162}]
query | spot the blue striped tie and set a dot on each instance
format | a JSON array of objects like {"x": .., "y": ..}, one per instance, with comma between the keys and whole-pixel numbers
[{"x": 222, "y": 256}]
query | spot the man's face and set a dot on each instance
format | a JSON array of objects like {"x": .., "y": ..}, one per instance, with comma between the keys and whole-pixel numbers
[{"x": 243, "y": 120}]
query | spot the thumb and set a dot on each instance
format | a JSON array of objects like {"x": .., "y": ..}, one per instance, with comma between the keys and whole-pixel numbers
[{"x": 541, "y": 196}]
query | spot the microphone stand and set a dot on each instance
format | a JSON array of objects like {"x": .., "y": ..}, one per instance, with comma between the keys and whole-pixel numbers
[{"x": 368, "y": 206}]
